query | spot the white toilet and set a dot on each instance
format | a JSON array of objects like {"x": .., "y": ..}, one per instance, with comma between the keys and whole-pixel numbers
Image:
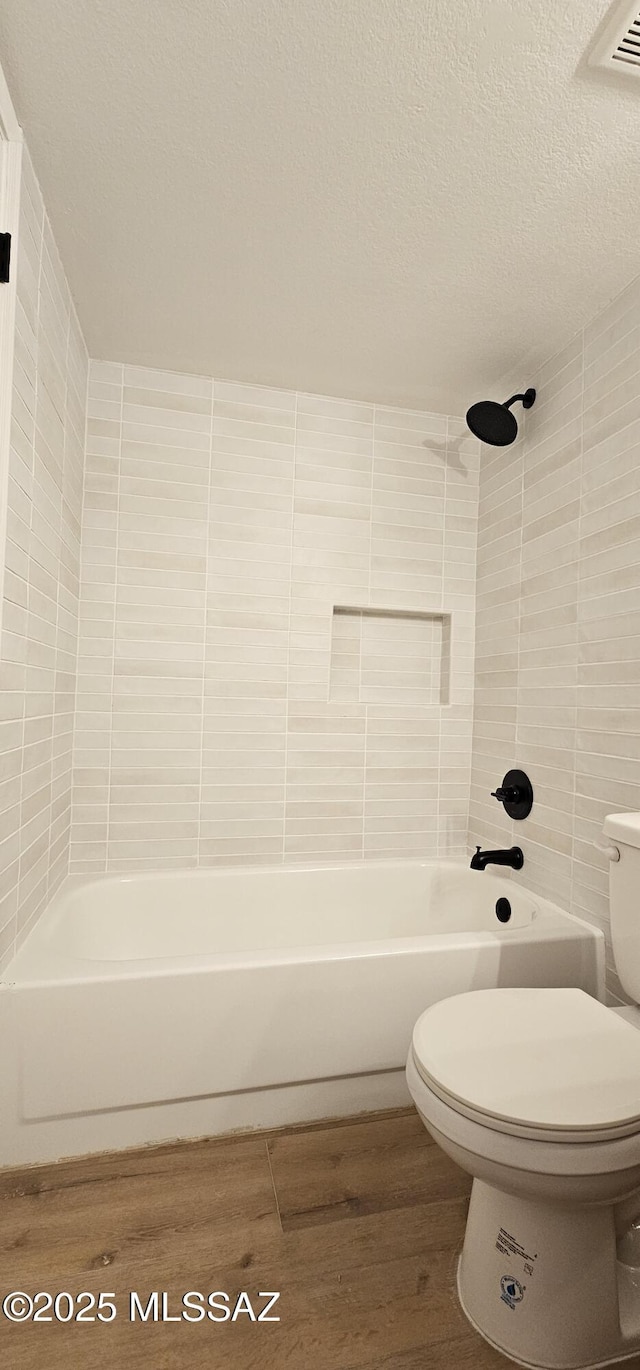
[{"x": 536, "y": 1093}]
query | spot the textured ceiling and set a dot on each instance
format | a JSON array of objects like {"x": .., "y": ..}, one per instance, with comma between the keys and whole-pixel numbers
[{"x": 388, "y": 199}]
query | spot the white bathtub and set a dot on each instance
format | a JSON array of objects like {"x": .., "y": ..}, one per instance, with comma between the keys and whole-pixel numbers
[{"x": 140, "y": 993}]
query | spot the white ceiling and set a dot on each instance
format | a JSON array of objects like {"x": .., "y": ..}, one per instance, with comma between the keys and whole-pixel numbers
[{"x": 389, "y": 199}]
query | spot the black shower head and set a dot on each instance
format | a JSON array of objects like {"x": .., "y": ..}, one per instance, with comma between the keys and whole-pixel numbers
[{"x": 494, "y": 423}]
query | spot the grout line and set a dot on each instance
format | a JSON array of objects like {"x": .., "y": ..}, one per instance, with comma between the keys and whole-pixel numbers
[
  {"x": 441, "y": 842},
  {"x": 365, "y": 752},
  {"x": 574, "y": 862},
  {"x": 204, "y": 627},
  {"x": 517, "y": 760},
  {"x": 273, "y": 1185},
  {"x": 81, "y": 544},
  {"x": 116, "y": 552},
  {"x": 287, "y": 702},
  {"x": 54, "y": 718},
  {"x": 36, "y": 390}
]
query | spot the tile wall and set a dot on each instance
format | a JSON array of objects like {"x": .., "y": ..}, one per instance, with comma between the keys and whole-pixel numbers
[
  {"x": 223, "y": 524},
  {"x": 558, "y": 620},
  {"x": 41, "y": 582}
]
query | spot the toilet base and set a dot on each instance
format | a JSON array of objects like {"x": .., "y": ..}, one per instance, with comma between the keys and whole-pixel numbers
[
  {"x": 542, "y": 1284},
  {"x": 530, "y": 1365}
]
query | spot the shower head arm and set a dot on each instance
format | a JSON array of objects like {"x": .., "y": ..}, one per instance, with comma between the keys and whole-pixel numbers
[{"x": 527, "y": 399}]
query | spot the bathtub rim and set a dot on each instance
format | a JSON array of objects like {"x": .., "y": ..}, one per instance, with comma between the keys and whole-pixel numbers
[{"x": 548, "y": 922}]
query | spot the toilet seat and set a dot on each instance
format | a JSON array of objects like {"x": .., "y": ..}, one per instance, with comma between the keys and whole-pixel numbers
[{"x": 544, "y": 1064}]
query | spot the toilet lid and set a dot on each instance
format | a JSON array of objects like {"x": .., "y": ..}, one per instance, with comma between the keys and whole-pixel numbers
[{"x": 552, "y": 1061}]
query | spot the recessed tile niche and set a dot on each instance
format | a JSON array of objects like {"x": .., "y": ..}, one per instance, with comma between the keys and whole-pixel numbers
[{"x": 389, "y": 656}]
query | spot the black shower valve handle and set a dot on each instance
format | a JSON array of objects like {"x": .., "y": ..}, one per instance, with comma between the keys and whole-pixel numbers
[
  {"x": 507, "y": 794},
  {"x": 516, "y": 793}
]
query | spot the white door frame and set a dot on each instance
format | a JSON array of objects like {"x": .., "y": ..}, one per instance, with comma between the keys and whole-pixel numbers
[{"x": 10, "y": 166}]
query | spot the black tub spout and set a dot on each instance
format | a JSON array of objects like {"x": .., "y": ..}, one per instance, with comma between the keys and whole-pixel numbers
[{"x": 510, "y": 857}]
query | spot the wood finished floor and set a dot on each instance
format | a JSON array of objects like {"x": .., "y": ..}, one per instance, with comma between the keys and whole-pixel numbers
[{"x": 358, "y": 1224}]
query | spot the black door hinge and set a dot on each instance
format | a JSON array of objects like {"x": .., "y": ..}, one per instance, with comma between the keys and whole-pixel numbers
[{"x": 5, "y": 257}]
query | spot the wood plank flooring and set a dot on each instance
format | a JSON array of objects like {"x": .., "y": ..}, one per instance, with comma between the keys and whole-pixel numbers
[{"x": 357, "y": 1224}]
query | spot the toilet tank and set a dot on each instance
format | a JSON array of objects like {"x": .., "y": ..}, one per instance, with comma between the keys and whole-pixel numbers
[{"x": 622, "y": 831}]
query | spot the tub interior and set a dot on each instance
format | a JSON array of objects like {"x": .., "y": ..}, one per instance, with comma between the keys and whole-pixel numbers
[{"x": 220, "y": 912}]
